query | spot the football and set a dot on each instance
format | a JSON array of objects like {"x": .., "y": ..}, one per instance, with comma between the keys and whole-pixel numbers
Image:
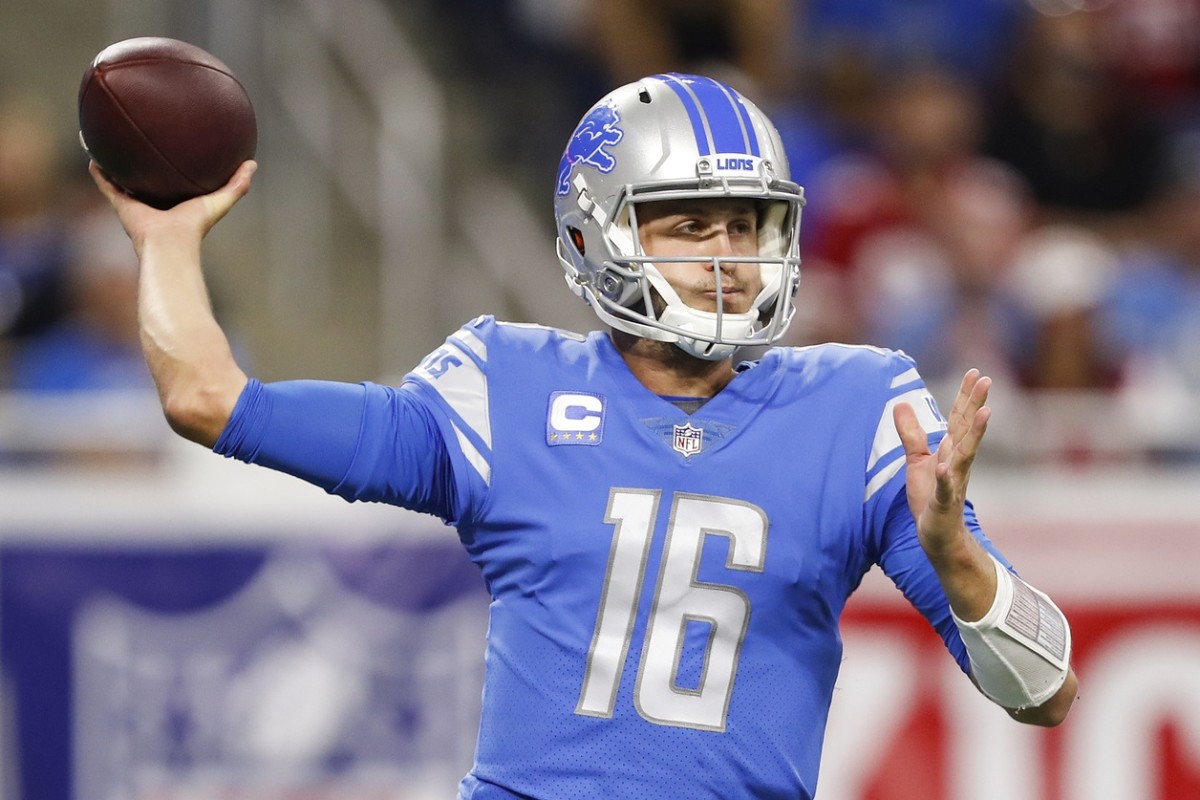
[{"x": 166, "y": 120}]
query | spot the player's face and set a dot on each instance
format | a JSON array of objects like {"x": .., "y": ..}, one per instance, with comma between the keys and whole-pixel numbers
[{"x": 704, "y": 228}]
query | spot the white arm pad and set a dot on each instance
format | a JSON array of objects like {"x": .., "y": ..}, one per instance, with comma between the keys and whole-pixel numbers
[{"x": 1021, "y": 649}]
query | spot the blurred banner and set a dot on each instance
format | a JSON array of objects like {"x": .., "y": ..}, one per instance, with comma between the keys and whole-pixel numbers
[
  {"x": 160, "y": 645},
  {"x": 241, "y": 673},
  {"x": 908, "y": 726}
]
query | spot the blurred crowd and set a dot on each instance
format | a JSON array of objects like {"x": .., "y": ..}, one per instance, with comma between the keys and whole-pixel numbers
[
  {"x": 68, "y": 277},
  {"x": 73, "y": 384},
  {"x": 1008, "y": 184}
]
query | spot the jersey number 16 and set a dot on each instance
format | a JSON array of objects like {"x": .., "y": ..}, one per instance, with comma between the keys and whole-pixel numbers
[{"x": 679, "y": 598}]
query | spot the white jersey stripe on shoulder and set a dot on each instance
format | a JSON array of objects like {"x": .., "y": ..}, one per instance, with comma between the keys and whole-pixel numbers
[
  {"x": 473, "y": 456},
  {"x": 886, "y": 437},
  {"x": 462, "y": 385},
  {"x": 870, "y": 347},
  {"x": 534, "y": 326},
  {"x": 882, "y": 477},
  {"x": 909, "y": 376},
  {"x": 472, "y": 342}
]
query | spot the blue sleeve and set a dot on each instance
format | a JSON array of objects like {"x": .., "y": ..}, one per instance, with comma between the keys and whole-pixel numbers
[
  {"x": 358, "y": 441},
  {"x": 905, "y": 563}
]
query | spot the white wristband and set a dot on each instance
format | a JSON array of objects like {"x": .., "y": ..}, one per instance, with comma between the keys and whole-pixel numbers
[{"x": 1021, "y": 650}]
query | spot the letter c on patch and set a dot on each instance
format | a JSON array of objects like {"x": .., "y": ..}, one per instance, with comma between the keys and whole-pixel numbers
[{"x": 576, "y": 412}]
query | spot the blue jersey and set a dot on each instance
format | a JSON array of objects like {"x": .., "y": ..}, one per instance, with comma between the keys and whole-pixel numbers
[{"x": 665, "y": 587}]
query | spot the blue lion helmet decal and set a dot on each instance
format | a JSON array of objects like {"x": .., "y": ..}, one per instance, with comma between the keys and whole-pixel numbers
[{"x": 597, "y": 131}]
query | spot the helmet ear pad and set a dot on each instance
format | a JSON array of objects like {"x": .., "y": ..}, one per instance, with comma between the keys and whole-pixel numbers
[{"x": 577, "y": 240}]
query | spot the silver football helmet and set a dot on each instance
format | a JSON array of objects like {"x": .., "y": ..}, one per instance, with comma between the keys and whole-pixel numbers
[{"x": 670, "y": 137}]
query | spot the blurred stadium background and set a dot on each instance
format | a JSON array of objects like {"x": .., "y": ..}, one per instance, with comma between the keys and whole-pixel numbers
[{"x": 1010, "y": 184}]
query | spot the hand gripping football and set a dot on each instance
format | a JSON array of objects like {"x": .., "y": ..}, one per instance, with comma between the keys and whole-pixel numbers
[{"x": 166, "y": 120}]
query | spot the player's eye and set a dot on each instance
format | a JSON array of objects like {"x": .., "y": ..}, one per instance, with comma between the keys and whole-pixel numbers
[
  {"x": 689, "y": 227},
  {"x": 743, "y": 227}
]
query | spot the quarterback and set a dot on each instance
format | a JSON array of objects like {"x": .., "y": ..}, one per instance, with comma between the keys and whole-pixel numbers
[{"x": 668, "y": 534}]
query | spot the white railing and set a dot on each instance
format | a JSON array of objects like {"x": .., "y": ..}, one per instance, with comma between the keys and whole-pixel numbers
[
  {"x": 351, "y": 132},
  {"x": 353, "y": 206},
  {"x": 347, "y": 81}
]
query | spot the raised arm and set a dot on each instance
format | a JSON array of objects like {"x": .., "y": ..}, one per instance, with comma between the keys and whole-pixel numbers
[
  {"x": 974, "y": 583},
  {"x": 189, "y": 356},
  {"x": 937, "y": 491}
]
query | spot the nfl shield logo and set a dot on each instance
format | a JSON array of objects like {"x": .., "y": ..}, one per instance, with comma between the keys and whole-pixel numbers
[{"x": 688, "y": 440}]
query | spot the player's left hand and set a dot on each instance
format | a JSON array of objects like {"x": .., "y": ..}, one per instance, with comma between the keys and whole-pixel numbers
[{"x": 937, "y": 482}]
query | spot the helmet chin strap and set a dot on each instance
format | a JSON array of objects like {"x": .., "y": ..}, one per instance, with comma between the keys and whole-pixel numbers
[
  {"x": 708, "y": 325},
  {"x": 708, "y": 351}
]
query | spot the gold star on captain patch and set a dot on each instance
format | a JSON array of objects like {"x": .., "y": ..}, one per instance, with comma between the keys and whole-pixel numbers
[
  {"x": 553, "y": 436},
  {"x": 579, "y": 437},
  {"x": 592, "y": 437}
]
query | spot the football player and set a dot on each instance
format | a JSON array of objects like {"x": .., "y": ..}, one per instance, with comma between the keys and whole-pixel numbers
[{"x": 668, "y": 534}]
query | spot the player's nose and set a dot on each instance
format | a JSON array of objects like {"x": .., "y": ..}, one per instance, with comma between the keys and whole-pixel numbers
[
  {"x": 721, "y": 247},
  {"x": 733, "y": 247}
]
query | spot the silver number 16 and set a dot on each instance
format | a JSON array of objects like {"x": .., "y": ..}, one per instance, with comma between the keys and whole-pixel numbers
[{"x": 678, "y": 598}]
